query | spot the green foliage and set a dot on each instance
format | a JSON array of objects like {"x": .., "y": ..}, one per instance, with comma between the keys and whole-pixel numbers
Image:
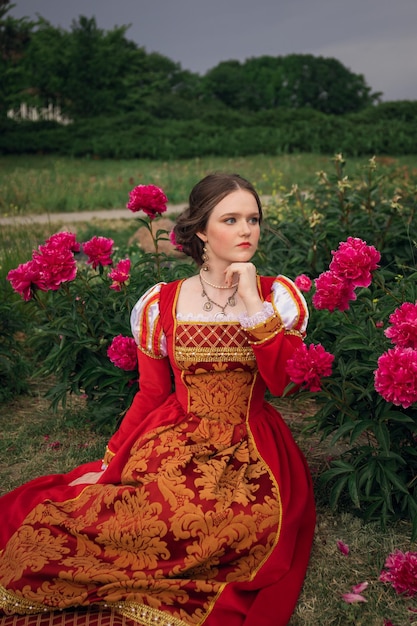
[
  {"x": 375, "y": 468},
  {"x": 14, "y": 364},
  {"x": 174, "y": 130},
  {"x": 378, "y": 207}
]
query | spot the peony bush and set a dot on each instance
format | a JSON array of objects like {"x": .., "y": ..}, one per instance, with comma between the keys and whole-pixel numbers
[
  {"x": 81, "y": 295},
  {"x": 367, "y": 403},
  {"x": 363, "y": 314}
]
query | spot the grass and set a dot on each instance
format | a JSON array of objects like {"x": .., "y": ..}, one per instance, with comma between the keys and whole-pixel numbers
[
  {"x": 35, "y": 441},
  {"x": 48, "y": 184}
]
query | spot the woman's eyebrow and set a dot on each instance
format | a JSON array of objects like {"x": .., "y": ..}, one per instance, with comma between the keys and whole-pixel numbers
[{"x": 234, "y": 213}]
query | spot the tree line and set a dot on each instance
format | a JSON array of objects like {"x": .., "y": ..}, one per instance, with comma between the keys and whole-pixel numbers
[{"x": 106, "y": 83}]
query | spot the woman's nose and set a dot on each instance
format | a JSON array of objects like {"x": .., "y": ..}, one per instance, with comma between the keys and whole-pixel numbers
[{"x": 244, "y": 228}]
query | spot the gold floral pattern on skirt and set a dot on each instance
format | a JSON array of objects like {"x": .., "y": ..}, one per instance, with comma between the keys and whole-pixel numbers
[{"x": 196, "y": 510}]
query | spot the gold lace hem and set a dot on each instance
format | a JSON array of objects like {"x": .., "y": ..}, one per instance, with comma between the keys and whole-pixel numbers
[{"x": 142, "y": 614}]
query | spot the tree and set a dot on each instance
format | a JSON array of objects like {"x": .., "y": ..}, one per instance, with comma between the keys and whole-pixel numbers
[
  {"x": 226, "y": 82},
  {"x": 293, "y": 81},
  {"x": 44, "y": 66},
  {"x": 14, "y": 39},
  {"x": 324, "y": 84},
  {"x": 97, "y": 64}
]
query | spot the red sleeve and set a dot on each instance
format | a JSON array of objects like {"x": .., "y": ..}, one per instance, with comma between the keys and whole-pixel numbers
[
  {"x": 155, "y": 386},
  {"x": 271, "y": 358}
]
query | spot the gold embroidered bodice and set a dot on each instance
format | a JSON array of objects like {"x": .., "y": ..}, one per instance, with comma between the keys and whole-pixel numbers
[{"x": 217, "y": 367}]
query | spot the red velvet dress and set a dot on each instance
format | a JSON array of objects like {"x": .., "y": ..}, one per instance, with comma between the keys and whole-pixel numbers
[{"x": 205, "y": 514}]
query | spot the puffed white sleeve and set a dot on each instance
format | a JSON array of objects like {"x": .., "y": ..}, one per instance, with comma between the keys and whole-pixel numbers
[
  {"x": 145, "y": 322},
  {"x": 290, "y": 305}
]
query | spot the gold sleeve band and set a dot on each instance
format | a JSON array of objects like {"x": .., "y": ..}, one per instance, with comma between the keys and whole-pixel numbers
[{"x": 265, "y": 330}]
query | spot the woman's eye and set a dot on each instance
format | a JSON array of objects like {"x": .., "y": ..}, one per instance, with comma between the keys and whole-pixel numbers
[
  {"x": 230, "y": 220},
  {"x": 254, "y": 220}
]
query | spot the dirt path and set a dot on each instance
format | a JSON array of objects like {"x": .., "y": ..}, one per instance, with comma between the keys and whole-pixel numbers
[{"x": 82, "y": 216}]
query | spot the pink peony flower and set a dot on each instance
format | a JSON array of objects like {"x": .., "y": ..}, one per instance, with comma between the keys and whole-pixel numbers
[
  {"x": 120, "y": 274},
  {"x": 401, "y": 572},
  {"x": 172, "y": 239},
  {"x": 99, "y": 250},
  {"x": 56, "y": 266},
  {"x": 403, "y": 332},
  {"x": 63, "y": 240},
  {"x": 396, "y": 376},
  {"x": 50, "y": 266},
  {"x": 308, "y": 365},
  {"x": 342, "y": 547},
  {"x": 303, "y": 282},
  {"x": 332, "y": 292},
  {"x": 148, "y": 198},
  {"x": 354, "y": 260},
  {"x": 122, "y": 352},
  {"x": 25, "y": 278}
]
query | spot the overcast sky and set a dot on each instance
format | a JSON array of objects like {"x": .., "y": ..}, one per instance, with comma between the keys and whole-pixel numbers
[{"x": 376, "y": 38}]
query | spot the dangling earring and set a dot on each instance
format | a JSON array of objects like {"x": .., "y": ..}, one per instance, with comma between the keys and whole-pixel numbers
[{"x": 205, "y": 258}]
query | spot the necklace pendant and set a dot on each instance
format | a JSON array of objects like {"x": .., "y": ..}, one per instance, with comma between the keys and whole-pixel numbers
[
  {"x": 231, "y": 301},
  {"x": 220, "y": 316},
  {"x": 207, "y": 306}
]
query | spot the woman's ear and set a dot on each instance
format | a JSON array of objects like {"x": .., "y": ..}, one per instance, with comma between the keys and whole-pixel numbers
[{"x": 202, "y": 236}]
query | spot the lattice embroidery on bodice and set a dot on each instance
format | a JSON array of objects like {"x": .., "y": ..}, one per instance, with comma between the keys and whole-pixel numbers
[{"x": 211, "y": 343}]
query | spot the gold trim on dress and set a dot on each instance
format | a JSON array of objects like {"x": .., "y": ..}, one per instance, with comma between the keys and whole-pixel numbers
[
  {"x": 151, "y": 354},
  {"x": 213, "y": 355},
  {"x": 274, "y": 481},
  {"x": 11, "y": 604},
  {"x": 145, "y": 615},
  {"x": 296, "y": 333},
  {"x": 259, "y": 342}
]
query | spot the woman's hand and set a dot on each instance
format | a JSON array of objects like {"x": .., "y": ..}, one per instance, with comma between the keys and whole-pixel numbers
[
  {"x": 248, "y": 285},
  {"x": 89, "y": 478}
]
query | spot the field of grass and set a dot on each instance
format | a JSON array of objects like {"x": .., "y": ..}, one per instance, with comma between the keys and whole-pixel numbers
[
  {"x": 35, "y": 441},
  {"x": 48, "y": 184}
]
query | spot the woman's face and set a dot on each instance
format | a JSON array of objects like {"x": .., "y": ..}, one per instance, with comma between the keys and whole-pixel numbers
[{"x": 233, "y": 229}]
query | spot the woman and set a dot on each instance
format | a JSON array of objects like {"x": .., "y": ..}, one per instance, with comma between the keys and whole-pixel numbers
[{"x": 202, "y": 511}]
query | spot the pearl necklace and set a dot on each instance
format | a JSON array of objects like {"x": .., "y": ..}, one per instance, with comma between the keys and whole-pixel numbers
[
  {"x": 217, "y": 286},
  {"x": 208, "y": 306}
]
